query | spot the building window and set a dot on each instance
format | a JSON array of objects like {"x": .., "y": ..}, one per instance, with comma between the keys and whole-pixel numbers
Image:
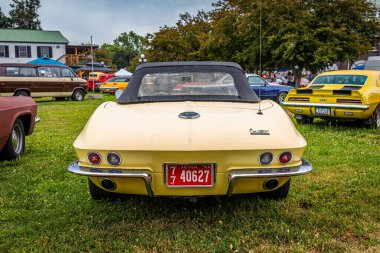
[
  {"x": 2, "y": 51},
  {"x": 23, "y": 52},
  {"x": 44, "y": 51}
]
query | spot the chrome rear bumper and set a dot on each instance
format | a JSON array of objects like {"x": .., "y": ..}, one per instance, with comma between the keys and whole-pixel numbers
[
  {"x": 108, "y": 89},
  {"x": 99, "y": 172},
  {"x": 362, "y": 107},
  {"x": 233, "y": 175}
]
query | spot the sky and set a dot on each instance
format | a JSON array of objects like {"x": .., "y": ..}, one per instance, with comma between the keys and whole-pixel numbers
[{"x": 77, "y": 20}]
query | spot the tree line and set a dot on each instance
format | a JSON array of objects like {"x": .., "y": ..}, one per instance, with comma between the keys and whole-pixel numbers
[
  {"x": 262, "y": 34},
  {"x": 298, "y": 34},
  {"x": 259, "y": 35}
]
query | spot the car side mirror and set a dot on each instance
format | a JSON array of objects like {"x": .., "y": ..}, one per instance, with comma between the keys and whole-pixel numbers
[{"x": 118, "y": 93}]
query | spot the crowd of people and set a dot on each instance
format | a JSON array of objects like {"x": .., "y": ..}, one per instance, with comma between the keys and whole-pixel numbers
[{"x": 287, "y": 78}]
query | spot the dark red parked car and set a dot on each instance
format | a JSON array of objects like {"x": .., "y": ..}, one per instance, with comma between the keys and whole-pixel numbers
[{"x": 17, "y": 119}]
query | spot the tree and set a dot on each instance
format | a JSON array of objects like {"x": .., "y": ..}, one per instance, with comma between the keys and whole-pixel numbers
[
  {"x": 125, "y": 47},
  {"x": 104, "y": 55},
  {"x": 23, "y": 14},
  {"x": 182, "y": 42},
  {"x": 4, "y": 20}
]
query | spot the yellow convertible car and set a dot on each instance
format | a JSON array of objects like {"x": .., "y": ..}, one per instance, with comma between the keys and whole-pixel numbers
[
  {"x": 181, "y": 129},
  {"x": 115, "y": 83},
  {"x": 341, "y": 95}
]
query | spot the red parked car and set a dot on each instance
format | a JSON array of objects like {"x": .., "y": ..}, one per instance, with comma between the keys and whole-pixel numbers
[
  {"x": 98, "y": 78},
  {"x": 17, "y": 116}
]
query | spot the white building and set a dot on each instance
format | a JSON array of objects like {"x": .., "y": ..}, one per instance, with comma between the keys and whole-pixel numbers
[{"x": 22, "y": 46}]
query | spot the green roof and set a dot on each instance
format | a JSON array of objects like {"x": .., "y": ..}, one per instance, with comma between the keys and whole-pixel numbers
[{"x": 32, "y": 36}]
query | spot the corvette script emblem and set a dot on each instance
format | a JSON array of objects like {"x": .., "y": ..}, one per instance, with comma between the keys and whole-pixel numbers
[{"x": 259, "y": 132}]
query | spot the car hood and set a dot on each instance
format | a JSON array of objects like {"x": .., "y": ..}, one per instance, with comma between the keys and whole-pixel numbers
[{"x": 220, "y": 126}]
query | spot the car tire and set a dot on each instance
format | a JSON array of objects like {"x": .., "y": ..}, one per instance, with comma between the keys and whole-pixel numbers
[
  {"x": 22, "y": 93},
  {"x": 98, "y": 193},
  {"x": 375, "y": 118},
  {"x": 305, "y": 120},
  {"x": 281, "y": 97},
  {"x": 280, "y": 193},
  {"x": 15, "y": 144},
  {"x": 78, "y": 95}
]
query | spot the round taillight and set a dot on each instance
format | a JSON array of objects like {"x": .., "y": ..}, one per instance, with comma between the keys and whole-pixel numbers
[
  {"x": 94, "y": 158},
  {"x": 285, "y": 157},
  {"x": 266, "y": 158},
  {"x": 113, "y": 158}
]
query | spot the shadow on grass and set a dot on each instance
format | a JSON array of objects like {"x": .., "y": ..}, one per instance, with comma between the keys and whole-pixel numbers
[
  {"x": 339, "y": 125},
  {"x": 213, "y": 209}
]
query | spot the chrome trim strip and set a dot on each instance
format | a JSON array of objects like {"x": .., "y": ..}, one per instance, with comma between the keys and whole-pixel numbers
[
  {"x": 233, "y": 175},
  {"x": 108, "y": 89},
  {"x": 364, "y": 107},
  {"x": 101, "y": 172}
]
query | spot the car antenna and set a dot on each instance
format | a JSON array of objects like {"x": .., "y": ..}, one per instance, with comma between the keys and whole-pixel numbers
[{"x": 259, "y": 111}]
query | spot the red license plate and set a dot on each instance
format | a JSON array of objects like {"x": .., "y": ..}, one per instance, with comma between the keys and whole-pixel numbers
[{"x": 189, "y": 175}]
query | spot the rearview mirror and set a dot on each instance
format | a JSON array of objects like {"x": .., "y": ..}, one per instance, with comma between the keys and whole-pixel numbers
[{"x": 118, "y": 93}]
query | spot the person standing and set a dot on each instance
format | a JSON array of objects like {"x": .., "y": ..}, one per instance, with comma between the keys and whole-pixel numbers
[{"x": 291, "y": 79}]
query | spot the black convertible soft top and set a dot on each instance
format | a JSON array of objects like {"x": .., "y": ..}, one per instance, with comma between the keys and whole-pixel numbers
[{"x": 245, "y": 93}]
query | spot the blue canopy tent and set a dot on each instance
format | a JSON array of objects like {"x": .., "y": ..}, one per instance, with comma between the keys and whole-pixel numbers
[
  {"x": 46, "y": 61},
  {"x": 361, "y": 66}
]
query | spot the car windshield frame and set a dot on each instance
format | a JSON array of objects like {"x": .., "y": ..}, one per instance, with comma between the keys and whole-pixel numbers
[
  {"x": 344, "y": 79},
  {"x": 244, "y": 92}
]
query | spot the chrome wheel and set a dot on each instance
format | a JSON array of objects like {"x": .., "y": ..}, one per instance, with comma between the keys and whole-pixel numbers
[
  {"x": 17, "y": 139},
  {"x": 16, "y": 142},
  {"x": 78, "y": 95},
  {"x": 376, "y": 117},
  {"x": 281, "y": 97},
  {"x": 22, "y": 94}
]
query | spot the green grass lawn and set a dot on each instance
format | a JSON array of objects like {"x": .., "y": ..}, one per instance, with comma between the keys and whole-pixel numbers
[{"x": 336, "y": 208}]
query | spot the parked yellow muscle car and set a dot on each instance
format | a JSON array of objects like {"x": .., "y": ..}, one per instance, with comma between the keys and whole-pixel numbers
[
  {"x": 178, "y": 130},
  {"x": 341, "y": 95},
  {"x": 115, "y": 83}
]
